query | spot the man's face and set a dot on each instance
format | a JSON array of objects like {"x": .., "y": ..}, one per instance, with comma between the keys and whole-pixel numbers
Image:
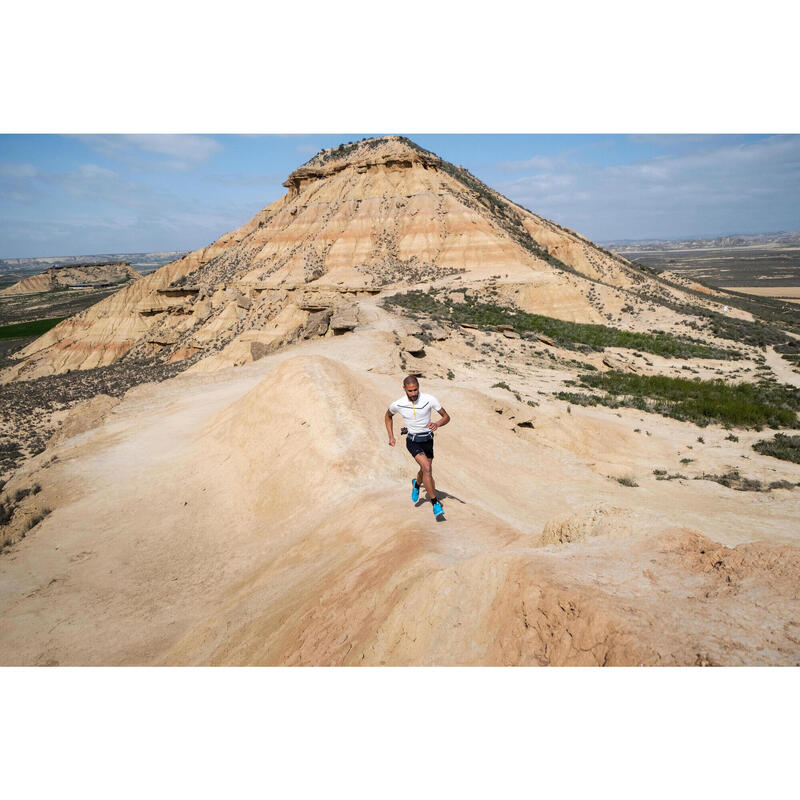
[{"x": 412, "y": 391}]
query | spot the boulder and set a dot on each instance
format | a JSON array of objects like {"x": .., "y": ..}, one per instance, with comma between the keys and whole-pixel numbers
[
  {"x": 546, "y": 339},
  {"x": 510, "y": 334},
  {"x": 413, "y": 345},
  {"x": 345, "y": 319},
  {"x": 317, "y": 324}
]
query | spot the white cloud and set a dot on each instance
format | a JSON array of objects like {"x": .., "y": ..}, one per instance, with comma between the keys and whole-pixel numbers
[
  {"x": 17, "y": 171},
  {"x": 729, "y": 185},
  {"x": 182, "y": 150},
  {"x": 536, "y": 162}
]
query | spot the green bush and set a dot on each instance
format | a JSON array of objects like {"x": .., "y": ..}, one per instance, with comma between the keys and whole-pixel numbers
[
  {"x": 698, "y": 401},
  {"x": 780, "y": 446}
]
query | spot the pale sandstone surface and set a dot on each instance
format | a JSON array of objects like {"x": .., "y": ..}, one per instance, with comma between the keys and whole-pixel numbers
[{"x": 256, "y": 515}]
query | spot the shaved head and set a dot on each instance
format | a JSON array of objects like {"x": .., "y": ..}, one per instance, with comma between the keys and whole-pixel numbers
[{"x": 410, "y": 380}]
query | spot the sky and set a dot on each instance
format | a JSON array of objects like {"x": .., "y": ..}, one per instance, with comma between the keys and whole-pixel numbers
[{"x": 115, "y": 193}]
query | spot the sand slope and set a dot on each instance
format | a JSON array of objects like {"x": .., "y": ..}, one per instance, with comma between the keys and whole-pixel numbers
[{"x": 257, "y": 516}]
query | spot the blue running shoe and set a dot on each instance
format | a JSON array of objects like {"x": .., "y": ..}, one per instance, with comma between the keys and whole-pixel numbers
[
  {"x": 414, "y": 491},
  {"x": 437, "y": 509}
]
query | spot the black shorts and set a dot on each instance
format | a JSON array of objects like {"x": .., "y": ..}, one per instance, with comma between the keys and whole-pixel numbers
[{"x": 424, "y": 446}]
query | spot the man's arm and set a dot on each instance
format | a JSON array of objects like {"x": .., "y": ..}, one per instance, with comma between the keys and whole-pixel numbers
[
  {"x": 388, "y": 420},
  {"x": 445, "y": 418}
]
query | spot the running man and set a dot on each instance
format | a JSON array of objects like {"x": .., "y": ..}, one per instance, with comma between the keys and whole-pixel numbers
[{"x": 415, "y": 409}]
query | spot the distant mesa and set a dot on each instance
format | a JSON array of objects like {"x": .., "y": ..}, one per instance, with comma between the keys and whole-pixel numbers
[{"x": 75, "y": 276}]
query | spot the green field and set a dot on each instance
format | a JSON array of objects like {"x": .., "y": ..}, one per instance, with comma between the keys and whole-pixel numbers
[{"x": 22, "y": 330}]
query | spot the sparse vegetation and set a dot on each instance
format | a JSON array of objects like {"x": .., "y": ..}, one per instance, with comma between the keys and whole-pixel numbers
[
  {"x": 733, "y": 480},
  {"x": 571, "y": 335},
  {"x": 780, "y": 446},
  {"x": 663, "y": 475},
  {"x": 35, "y": 520},
  {"x": 698, "y": 401},
  {"x": 626, "y": 480}
]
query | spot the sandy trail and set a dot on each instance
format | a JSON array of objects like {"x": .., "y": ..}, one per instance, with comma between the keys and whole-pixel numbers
[{"x": 781, "y": 368}]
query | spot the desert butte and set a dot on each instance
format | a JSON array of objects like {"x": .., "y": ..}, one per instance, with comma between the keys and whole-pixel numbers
[{"x": 250, "y": 510}]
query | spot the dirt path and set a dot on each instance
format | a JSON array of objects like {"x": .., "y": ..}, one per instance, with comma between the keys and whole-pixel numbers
[{"x": 781, "y": 368}]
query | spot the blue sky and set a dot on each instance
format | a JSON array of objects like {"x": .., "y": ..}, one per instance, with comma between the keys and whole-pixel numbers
[{"x": 84, "y": 194}]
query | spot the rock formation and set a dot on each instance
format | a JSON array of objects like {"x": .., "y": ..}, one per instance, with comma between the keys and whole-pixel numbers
[{"x": 356, "y": 220}]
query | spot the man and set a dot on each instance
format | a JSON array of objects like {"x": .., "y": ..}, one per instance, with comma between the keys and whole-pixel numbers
[{"x": 415, "y": 409}]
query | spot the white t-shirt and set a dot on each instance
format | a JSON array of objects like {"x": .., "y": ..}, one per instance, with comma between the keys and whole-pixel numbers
[{"x": 416, "y": 415}]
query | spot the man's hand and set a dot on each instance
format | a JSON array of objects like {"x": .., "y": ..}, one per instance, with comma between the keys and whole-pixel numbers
[
  {"x": 433, "y": 426},
  {"x": 392, "y": 442}
]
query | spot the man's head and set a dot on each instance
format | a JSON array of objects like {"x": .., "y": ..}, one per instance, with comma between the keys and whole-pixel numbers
[{"x": 411, "y": 385}]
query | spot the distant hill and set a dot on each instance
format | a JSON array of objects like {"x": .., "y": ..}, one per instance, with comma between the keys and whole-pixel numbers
[
  {"x": 77, "y": 276},
  {"x": 782, "y": 239},
  {"x": 142, "y": 262}
]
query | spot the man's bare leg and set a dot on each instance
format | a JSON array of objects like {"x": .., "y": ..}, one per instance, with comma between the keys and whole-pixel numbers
[{"x": 425, "y": 475}]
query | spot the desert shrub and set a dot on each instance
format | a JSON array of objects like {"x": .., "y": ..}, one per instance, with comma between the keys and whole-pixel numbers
[
  {"x": 780, "y": 446},
  {"x": 782, "y": 485},
  {"x": 733, "y": 480},
  {"x": 699, "y": 401},
  {"x": 627, "y": 481},
  {"x": 35, "y": 520}
]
